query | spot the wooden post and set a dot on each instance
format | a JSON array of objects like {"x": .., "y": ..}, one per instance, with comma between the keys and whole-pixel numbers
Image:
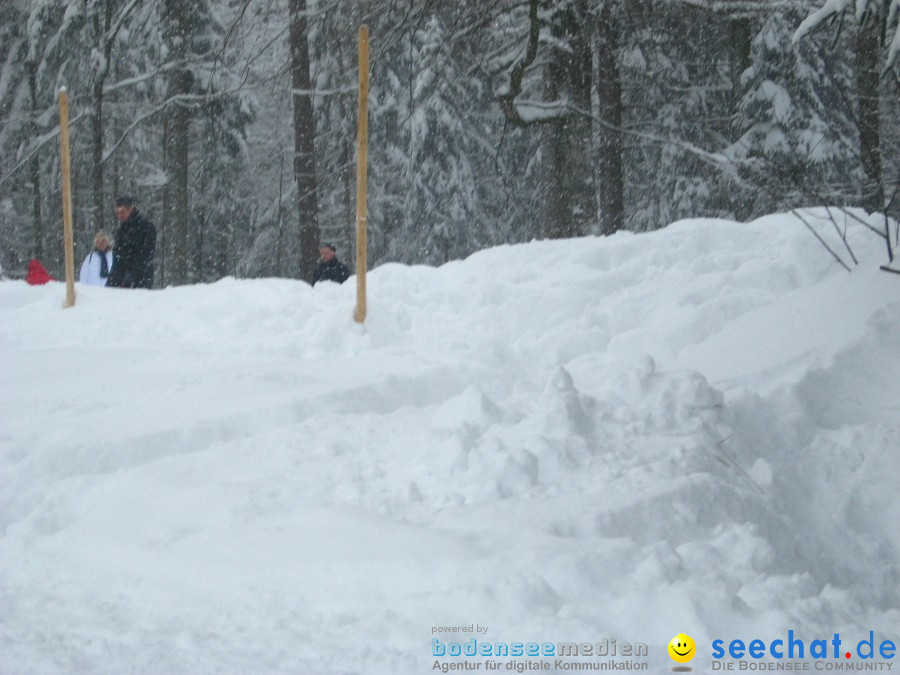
[
  {"x": 362, "y": 140},
  {"x": 66, "y": 196}
]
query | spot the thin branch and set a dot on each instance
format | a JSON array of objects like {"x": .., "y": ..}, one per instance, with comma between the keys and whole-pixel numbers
[
  {"x": 137, "y": 79},
  {"x": 805, "y": 188},
  {"x": 842, "y": 235},
  {"x": 796, "y": 212},
  {"x": 325, "y": 92},
  {"x": 887, "y": 226},
  {"x": 117, "y": 26},
  {"x": 41, "y": 142},
  {"x": 180, "y": 99},
  {"x": 508, "y": 100},
  {"x": 109, "y": 153}
]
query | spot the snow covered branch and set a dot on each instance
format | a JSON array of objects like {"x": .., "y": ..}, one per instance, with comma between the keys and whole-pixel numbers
[
  {"x": 887, "y": 10},
  {"x": 514, "y": 114}
]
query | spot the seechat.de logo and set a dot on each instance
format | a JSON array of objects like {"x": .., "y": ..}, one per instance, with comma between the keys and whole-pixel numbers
[{"x": 825, "y": 653}]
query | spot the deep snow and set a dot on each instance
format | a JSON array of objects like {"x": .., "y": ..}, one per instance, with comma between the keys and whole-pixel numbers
[{"x": 693, "y": 430}]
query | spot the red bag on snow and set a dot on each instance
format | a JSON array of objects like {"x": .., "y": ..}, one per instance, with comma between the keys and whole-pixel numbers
[{"x": 37, "y": 274}]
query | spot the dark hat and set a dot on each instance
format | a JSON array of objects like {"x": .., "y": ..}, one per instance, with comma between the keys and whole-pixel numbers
[
  {"x": 125, "y": 201},
  {"x": 326, "y": 244}
]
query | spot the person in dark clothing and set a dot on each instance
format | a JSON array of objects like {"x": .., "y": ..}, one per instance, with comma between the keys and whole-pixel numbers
[
  {"x": 329, "y": 267},
  {"x": 135, "y": 245}
]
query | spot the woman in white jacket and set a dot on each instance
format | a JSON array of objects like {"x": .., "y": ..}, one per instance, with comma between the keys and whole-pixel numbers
[{"x": 96, "y": 266}]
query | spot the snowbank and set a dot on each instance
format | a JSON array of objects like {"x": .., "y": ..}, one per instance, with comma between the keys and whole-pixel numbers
[{"x": 693, "y": 430}]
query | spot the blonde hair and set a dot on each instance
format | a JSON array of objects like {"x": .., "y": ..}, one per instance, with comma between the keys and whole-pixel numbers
[{"x": 101, "y": 236}]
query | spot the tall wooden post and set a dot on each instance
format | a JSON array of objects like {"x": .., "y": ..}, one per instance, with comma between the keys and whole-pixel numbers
[
  {"x": 362, "y": 140},
  {"x": 66, "y": 196}
]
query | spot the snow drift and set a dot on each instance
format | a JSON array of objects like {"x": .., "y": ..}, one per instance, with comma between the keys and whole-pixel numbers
[{"x": 693, "y": 430}]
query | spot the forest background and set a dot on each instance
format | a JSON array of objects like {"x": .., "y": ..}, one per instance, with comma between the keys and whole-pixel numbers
[{"x": 233, "y": 122}]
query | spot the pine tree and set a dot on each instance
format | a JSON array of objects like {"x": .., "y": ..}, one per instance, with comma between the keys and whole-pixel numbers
[{"x": 797, "y": 142}]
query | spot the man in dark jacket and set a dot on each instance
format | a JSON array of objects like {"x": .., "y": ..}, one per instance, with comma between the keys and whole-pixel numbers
[
  {"x": 134, "y": 248},
  {"x": 329, "y": 267}
]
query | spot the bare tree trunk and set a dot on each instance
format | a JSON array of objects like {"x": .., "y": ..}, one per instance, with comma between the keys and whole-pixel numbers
[
  {"x": 162, "y": 233},
  {"x": 179, "y": 83},
  {"x": 556, "y": 215},
  {"x": 35, "y": 169},
  {"x": 101, "y": 30},
  {"x": 304, "y": 140},
  {"x": 567, "y": 190},
  {"x": 179, "y": 216},
  {"x": 97, "y": 159},
  {"x": 571, "y": 201},
  {"x": 198, "y": 253},
  {"x": 116, "y": 133},
  {"x": 740, "y": 41},
  {"x": 867, "y": 91},
  {"x": 609, "y": 90}
]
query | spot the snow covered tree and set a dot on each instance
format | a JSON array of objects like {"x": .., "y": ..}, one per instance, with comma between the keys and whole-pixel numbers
[
  {"x": 677, "y": 98},
  {"x": 304, "y": 140},
  {"x": 334, "y": 50},
  {"x": 489, "y": 122},
  {"x": 204, "y": 115},
  {"x": 570, "y": 187},
  {"x": 16, "y": 100},
  {"x": 877, "y": 34},
  {"x": 219, "y": 212},
  {"x": 42, "y": 64},
  {"x": 796, "y": 136},
  {"x": 178, "y": 26},
  {"x": 610, "y": 133},
  {"x": 885, "y": 14},
  {"x": 433, "y": 152},
  {"x": 553, "y": 65},
  {"x": 105, "y": 19},
  {"x": 430, "y": 139}
]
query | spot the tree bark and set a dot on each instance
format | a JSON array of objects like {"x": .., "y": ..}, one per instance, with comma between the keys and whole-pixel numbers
[
  {"x": 35, "y": 168},
  {"x": 568, "y": 189},
  {"x": 177, "y": 218},
  {"x": 97, "y": 210},
  {"x": 569, "y": 199},
  {"x": 573, "y": 170},
  {"x": 101, "y": 30},
  {"x": 609, "y": 90},
  {"x": 304, "y": 140},
  {"x": 867, "y": 91},
  {"x": 162, "y": 232},
  {"x": 740, "y": 42}
]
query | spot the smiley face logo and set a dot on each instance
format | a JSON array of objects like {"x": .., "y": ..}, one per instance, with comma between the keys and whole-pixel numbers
[{"x": 682, "y": 648}]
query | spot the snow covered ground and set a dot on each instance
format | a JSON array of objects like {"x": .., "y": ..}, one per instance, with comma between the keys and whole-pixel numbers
[{"x": 694, "y": 430}]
